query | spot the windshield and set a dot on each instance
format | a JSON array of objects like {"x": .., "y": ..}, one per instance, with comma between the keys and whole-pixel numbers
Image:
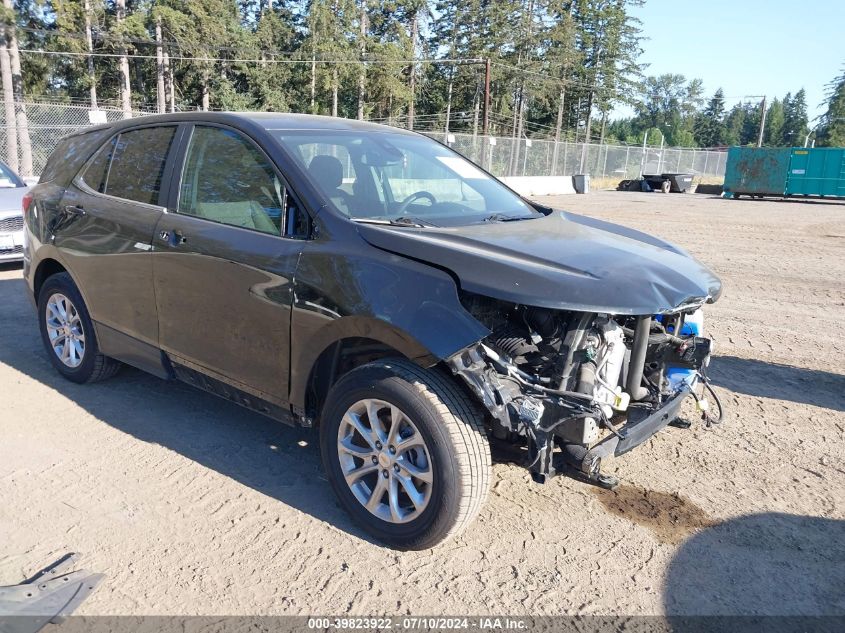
[{"x": 400, "y": 178}]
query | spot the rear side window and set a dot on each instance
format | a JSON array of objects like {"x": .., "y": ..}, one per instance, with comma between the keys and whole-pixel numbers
[
  {"x": 51, "y": 169},
  {"x": 69, "y": 154},
  {"x": 98, "y": 169},
  {"x": 137, "y": 164}
]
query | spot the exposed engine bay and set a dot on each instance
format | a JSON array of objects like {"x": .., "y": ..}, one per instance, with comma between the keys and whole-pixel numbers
[{"x": 577, "y": 387}]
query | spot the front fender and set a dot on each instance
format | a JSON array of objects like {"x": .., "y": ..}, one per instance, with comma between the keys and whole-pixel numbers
[{"x": 359, "y": 291}]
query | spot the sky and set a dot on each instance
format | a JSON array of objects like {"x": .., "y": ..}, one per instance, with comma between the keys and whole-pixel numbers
[{"x": 747, "y": 47}]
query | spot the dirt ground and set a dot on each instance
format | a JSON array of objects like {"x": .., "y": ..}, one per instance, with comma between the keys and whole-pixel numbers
[{"x": 191, "y": 505}]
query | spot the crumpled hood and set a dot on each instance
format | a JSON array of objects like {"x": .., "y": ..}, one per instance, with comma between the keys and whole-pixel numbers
[{"x": 562, "y": 261}]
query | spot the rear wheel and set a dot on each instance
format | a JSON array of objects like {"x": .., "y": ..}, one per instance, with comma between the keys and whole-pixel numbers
[
  {"x": 406, "y": 452},
  {"x": 68, "y": 333}
]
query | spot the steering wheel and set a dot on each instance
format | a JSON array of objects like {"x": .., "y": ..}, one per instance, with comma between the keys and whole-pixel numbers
[{"x": 403, "y": 207}]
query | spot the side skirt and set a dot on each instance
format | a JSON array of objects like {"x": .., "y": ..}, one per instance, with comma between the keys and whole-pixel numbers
[
  {"x": 233, "y": 394},
  {"x": 151, "y": 359},
  {"x": 133, "y": 352}
]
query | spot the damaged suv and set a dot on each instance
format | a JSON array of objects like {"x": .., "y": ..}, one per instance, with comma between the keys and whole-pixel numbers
[{"x": 370, "y": 282}]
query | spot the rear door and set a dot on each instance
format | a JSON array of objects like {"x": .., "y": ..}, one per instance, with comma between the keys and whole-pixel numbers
[
  {"x": 104, "y": 228},
  {"x": 224, "y": 263}
]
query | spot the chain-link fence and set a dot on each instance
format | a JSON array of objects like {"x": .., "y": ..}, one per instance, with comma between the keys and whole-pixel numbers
[
  {"x": 48, "y": 122},
  {"x": 533, "y": 157}
]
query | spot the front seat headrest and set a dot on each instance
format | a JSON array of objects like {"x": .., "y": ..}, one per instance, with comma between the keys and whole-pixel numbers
[{"x": 327, "y": 170}]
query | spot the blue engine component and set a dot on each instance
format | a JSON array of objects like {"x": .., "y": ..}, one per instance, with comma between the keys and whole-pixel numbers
[{"x": 677, "y": 376}]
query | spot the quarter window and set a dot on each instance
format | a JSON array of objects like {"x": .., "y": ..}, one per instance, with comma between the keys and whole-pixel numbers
[
  {"x": 137, "y": 164},
  {"x": 98, "y": 169},
  {"x": 227, "y": 179}
]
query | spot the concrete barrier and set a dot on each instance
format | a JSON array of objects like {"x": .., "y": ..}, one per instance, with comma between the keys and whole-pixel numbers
[{"x": 540, "y": 185}]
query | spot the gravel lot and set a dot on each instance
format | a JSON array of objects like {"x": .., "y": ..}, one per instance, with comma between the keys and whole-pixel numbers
[{"x": 191, "y": 505}]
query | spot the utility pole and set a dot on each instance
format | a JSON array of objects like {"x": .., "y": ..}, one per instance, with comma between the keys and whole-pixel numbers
[{"x": 762, "y": 122}]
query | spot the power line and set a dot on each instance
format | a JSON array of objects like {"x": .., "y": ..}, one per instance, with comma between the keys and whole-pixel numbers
[
  {"x": 257, "y": 61},
  {"x": 552, "y": 78}
]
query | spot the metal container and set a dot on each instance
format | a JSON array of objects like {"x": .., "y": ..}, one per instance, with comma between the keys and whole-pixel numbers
[
  {"x": 676, "y": 183},
  {"x": 816, "y": 171},
  {"x": 758, "y": 171}
]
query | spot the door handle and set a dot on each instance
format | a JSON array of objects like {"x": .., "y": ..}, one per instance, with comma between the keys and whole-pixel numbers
[
  {"x": 173, "y": 238},
  {"x": 74, "y": 210}
]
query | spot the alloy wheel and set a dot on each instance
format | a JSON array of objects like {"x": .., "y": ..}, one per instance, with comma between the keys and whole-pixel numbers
[
  {"x": 64, "y": 329},
  {"x": 385, "y": 461}
]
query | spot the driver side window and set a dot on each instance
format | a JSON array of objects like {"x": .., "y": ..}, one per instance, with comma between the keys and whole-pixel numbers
[{"x": 227, "y": 179}]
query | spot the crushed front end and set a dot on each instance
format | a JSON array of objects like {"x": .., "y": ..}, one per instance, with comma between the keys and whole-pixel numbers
[{"x": 577, "y": 387}]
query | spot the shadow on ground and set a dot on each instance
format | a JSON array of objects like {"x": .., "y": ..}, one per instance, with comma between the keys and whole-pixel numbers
[
  {"x": 785, "y": 382},
  {"x": 761, "y": 565},
  {"x": 279, "y": 461}
]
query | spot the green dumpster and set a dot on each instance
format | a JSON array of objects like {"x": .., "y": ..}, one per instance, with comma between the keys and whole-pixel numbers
[
  {"x": 816, "y": 171},
  {"x": 758, "y": 171}
]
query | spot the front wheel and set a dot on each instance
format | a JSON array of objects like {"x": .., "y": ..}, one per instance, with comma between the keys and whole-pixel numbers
[{"x": 406, "y": 453}]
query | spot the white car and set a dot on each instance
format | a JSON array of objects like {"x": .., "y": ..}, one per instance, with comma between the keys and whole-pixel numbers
[{"x": 12, "y": 191}]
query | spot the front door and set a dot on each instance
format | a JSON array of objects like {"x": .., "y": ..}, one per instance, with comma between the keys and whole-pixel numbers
[{"x": 223, "y": 266}]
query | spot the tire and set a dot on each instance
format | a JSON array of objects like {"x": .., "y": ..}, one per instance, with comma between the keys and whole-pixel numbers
[
  {"x": 89, "y": 365},
  {"x": 454, "y": 458}
]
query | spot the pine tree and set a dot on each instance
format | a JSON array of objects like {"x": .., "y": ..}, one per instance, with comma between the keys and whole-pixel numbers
[
  {"x": 832, "y": 129},
  {"x": 554, "y": 63},
  {"x": 735, "y": 125},
  {"x": 272, "y": 86},
  {"x": 795, "y": 118},
  {"x": 710, "y": 125},
  {"x": 773, "y": 134},
  {"x": 331, "y": 28}
]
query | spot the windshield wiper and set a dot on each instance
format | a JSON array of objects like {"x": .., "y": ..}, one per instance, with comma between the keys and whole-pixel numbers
[
  {"x": 501, "y": 217},
  {"x": 400, "y": 221}
]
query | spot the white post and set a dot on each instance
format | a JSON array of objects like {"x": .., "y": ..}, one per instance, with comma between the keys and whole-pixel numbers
[
  {"x": 642, "y": 157},
  {"x": 604, "y": 164},
  {"x": 660, "y": 155}
]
